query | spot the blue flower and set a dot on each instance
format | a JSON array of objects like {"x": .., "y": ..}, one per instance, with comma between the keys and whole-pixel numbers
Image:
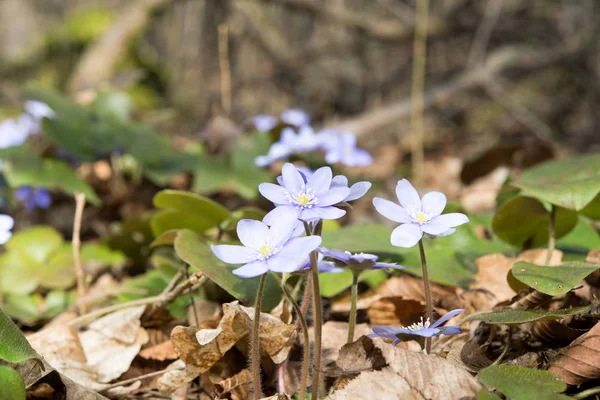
[
  {"x": 33, "y": 197},
  {"x": 358, "y": 190},
  {"x": 418, "y": 216},
  {"x": 267, "y": 249},
  {"x": 294, "y": 117},
  {"x": 322, "y": 266},
  {"x": 305, "y": 200},
  {"x": 342, "y": 148},
  {"x": 359, "y": 261},
  {"x": 420, "y": 329},
  {"x": 14, "y": 132},
  {"x": 6, "y": 224},
  {"x": 290, "y": 142}
]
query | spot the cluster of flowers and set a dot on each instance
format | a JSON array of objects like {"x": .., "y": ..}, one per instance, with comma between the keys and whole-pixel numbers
[
  {"x": 14, "y": 132},
  {"x": 298, "y": 137},
  {"x": 276, "y": 244}
]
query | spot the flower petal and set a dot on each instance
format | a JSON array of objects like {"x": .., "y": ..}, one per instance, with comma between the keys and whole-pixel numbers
[
  {"x": 433, "y": 203},
  {"x": 329, "y": 267},
  {"x": 333, "y": 196},
  {"x": 253, "y": 234},
  {"x": 300, "y": 247},
  {"x": 446, "y": 317},
  {"x": 320, "y": 181},
  {"x": 358, "y": 190},
  {"x": 408, "y": 195},
  {"x": 295, "y": 116},
  {"x": 406, "y": 235},
  {"x": 434, "y": 229},
  {"x": 357, "y": 158},
  {"x": 386, "y": 331},
  {"x": 252, "y": 269},
  {"x": 381, "y": 265},
  {"x": 451, "y": 330},
  {"x": 280, "y": 212},
  {"x": 427, "y": 332},
  {"x": 292, "y": 179},
  {"x": 391, "y": 211},
  {"x": 447, "y": 233},
  {"x": 333, "y": 156},
  {"x": 337, "y": 254},
  {"x": 6, "y": 222},
  {"x": 328, "y": 212},
  {"x": 278, "y": 263},
  {"x": 264, "y": 123},
  {"x": 451, "y": 220},
  {"x": 273, "y": 193},
  {"x": 339, "y": 180},
  {"x": 232, "y": 254},
  {"x": 281, "y": 230}
]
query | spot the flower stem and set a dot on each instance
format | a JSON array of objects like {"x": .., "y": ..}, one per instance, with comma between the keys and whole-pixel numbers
[
  {"x": 318, "y": 320},
  {"x": 551, "y": 234},
  {"x": 255, "y": 345},
  {"x": 428, "y": 301},
  {"x": 354, "y": 296},
  {"x": 306, "y": 361}
]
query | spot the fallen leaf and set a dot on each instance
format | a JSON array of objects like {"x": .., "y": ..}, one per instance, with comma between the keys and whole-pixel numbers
[
  {"x": 160, "y": 352},
  {"x": 395, "y": 311},
  {"x": 408, "y": 375},
  {"x": 538, "y": 256},
  {"x": 580, "y": 361},
  {"x": 334, "y": 336},
  {"x": 236, "y": 387},
  {"x": 491, "y": 277},
  {"x": 481, "y": 194}
]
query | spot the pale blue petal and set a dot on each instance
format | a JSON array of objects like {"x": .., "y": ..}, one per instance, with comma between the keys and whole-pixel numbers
[
  {"x": 391, "y": 211},
  {"x": 296, "y": 117},
  {"x": 232, "y": 254},
  {"x": 427, "y": 332},
  {"x": 6, "y": 222},
  {"x": 433, "y": 203},
  {"x": 329, "y": 267},
  {"x": 447, "y": 233},
  {"x": 280, "y": 212},
  {"x": 358, "y": 190},
  {"x": 337, "y": 254},
  {"x": 292, "y": 179},
  {"x": 253, "y": 234},
  {"x": 279, "y": 180},
  {"x": 320, "y": 181},
  {"x": 381, "y": 265},
  {"x": 333, "y": 156},
  {"x": 340, "y": 180},
  {"x": 451, "y": 220},
  {"x": 333, "y": 196},
  {"x": 264, "y": 123},
  {"x": 357, "y": 158},
  {"x": 278, "y": 263},
  {"x": 252, "y": 269},
  {"x": 408, "y": 195},
  {"x": 451, "y": 330},
  {"x": 446, "y": 317},
  {"x": 263, "y": 161},
  {"x": 434, "y": 229},
  {"x": 386, "y": 331},
  {"x": 299, "y": 247},
  {"x": 273, "y": 193},
  {"x": 4, "y": 236},
  {"x": 406, "y": 235},
  {"x": 328, "y": 212},
  {"x": 281, "y": 230}
]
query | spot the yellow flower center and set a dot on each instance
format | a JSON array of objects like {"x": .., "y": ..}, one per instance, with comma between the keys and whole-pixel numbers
[
  {"x": 265, "y": 250},
  {"x": 421, "y": 217},
  {"x": 302, "y": 199}
]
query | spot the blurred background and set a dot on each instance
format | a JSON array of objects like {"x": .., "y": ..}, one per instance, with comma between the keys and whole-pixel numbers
[{"x": 495, "y": 69}]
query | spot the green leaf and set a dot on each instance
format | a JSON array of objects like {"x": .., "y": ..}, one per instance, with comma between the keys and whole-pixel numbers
[
  {"x": 592, "y": 210},
  {"x": 59, "y": 272},
  {"x": 242, "y": 213},
  {"x": 11, "y": 384},
  {"x": 552, "y": 280},
  {"x": 333, "y": 284},
  {"x": 37, "y": 242},
  {"x": 524, "y": 221},
  {"x": 15, "y": 347},
  {"x": 18, "y": 273},
  {"x": 185, "y": 210},
  {"x": 520, "y": 383},
  {"x": 570, "y": 182},
  {"x": 197, "y": 253},
  {"x": 577, "y": 243},
  {"x": 509, "y": 316},
  {"x": 451, "y": 259},
  {"x": 102, "y": 254}
]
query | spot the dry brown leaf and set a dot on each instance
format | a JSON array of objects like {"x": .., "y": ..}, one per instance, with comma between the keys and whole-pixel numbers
[
  {"x": 538, "y": 256},
  {"x": 335, "y": 335},
  {"x": 200, "y": 349},
  {"x": 491, "y": 277},
  {"x": 160, "y": 352},
  {"x": 208, "y": 313},
  {"x": 395, "y": 311},
  {"x": 408, "y": 375},
  {"x": 593, "y": 257},
  {"x": 481, "y": 194},
  {"x": 235, "y": 388},
  {"x": 580, "y": 361}
]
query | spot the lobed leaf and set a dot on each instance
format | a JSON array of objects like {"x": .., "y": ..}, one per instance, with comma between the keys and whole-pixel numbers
[
  {"x": 552, "y": 280},
  {"x": 510, "y": 316},
  {"x": 520, "y": 383}
]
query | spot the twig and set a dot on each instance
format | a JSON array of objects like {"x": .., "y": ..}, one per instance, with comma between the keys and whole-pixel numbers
[
  {"x": 79, "y": 272},
  {"x": 193, "y": 303},
  {"x": 139, "y": 378},
  {"x": 225, "y": 69},
  {"x": 484, "y": 32},
  {"x": 418, "y": 86}
]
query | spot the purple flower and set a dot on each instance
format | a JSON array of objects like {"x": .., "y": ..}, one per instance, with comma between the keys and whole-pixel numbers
[
  {"x": 290, "y": 142},
  {"x": 359, "y": 261},
  {"x": 264, "y": 123},
  {"x": 342, "y": 148},
  {"x": 322, "y": 266},
  {"x": 421, "y": 329},
  {"x": 358, "y": 190},
  {"x": 39, "y": 110},
  {"x": 6, "y": 224},
  {"x": 417, "y": 216},
  {"x": 33, "y": 197},
  {"x": 267, "y": 249},
  {"x": 14, "y": 132},
  {"x": 294, "y": 117},
  {"x": 305, "y": 200}
]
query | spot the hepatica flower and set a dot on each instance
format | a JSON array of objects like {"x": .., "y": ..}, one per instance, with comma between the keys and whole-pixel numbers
[
  {"x": 357, "y": 262},
  {"x": 418, "y": 216},
  {"x": 313, "y": 198},
  {"x": 33, "y": 197},
  {"x": 342, "y": 148},
  {"x": 322, "y": 265},
  {"x": 423, "y": 329},
  {"x": 6, "y": 224},
  {"x": 294, "y": 117},
  {"x": 304, "y": 141},
  {"x": 267, "y": 249}
]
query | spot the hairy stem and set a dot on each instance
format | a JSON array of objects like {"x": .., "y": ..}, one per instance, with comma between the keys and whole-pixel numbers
[
  {"x": 306, "y": 361},
  {"x": 354, "y": 296},
  {"x": 428, "y": 301},
  {"x": 255, "y": 345},
  {"x": 551, "y": 234}
]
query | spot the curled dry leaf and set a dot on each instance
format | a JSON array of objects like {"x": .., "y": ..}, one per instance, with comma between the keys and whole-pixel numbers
[
  {"x": 580, "y": 361},
  {"x": 335, "y": 335},
  {"x": 407, "y": 374},
  {"x": 98, "y": 355},
  {"x": 200, "y": 349},
  {"x": 491, "y": 277},
  {"x": 160, "y": 352},
  {"x": 395, "y": 311},
  {"x": 235, "y": 388}
]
